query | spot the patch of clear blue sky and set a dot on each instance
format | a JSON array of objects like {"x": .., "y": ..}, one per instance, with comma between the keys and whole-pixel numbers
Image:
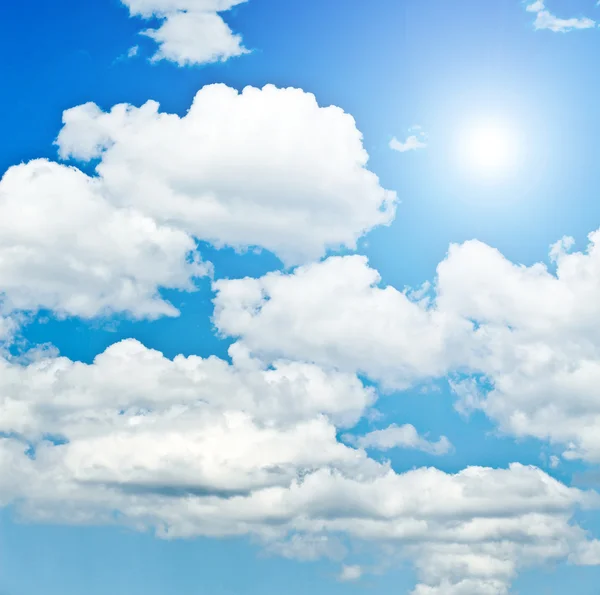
[{"x": 392, "y": 64}]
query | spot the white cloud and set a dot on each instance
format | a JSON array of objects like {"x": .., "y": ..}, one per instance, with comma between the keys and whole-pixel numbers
[
  {"x": 536, "y": 6},
  {"x": 413, "y": 143},
  {"x": 250, "y": 447},
  {"x": 531, "y": 334},
  {"x": 587, "y": 553},
  {"x": 546, "y": 20},
  {"x": 265, "y": 168},
  {"x": 217, "y": 448},
  {"x": 8, "y": 328},
  {"x": 64, "y": 247},
  {"x": 336, "y": 313},
  {"x": 90, "y": 246},
  {"x": 539, "y": 337},
  {"x": 307, "y": 548},
  {"x": 405, "y": 436},
  {"x": 350, "y": 573},
  {"x": 192, "y": 31},
  {"x": 128, "y": 377}
]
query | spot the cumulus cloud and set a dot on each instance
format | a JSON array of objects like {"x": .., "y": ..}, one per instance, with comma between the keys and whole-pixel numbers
[
  {"x": 520, "y": 343},
  {"x": 540, "y": 334},
  {"x": 337, "y": 313},
  {"x": 405, "y": 436},
  {"x": 265, "y": 167},
  {"x": 65, "y": 248},
  {"x": 546, "y": 20},
  {"x": 191, "y": 31},
  {"x": 250, "y": 446},
  {"x": 219, "y": 448},
  {"x": 227, "y": 173}
]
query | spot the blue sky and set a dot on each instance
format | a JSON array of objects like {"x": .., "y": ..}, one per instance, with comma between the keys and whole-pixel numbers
[{"x": 214, "y": 377}]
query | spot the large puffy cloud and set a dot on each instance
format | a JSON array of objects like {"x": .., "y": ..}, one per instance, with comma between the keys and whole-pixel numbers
[
  {"x": 216, "y": 448},
  {"x": 50, "y": 393},
  {"x": 524, "y": 340},
  {"x": 64, "y": 247},
  {"x": 336, "y": 313},
  {"x": 191, "y": 31},
  {"x": 541, "y": 335},
  {"x": 265, "y": 167},
  {"x": 227, "y": 173}
]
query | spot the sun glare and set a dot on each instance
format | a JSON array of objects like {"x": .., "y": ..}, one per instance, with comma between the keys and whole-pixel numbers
[{"x": 488, "y": 149}]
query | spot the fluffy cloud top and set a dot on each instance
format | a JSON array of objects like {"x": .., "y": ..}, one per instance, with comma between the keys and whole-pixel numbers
[
  {"x": 546, "y": 20},
  {"x": 532, "y": 334},
  {"x": 64, "y": 247},
  {"x": 130, "y": 378},
  {"x": 266, "y": 167},
  {"x": 539, "y": 332},
  {"x": 192, "y": 31},
  {"x": 216, "y": 448},
  {"x": 336, "y": 313}
]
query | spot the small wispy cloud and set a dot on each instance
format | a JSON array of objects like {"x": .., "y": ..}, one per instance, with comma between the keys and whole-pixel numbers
[
  {"x": 130, "y": 53},
  {"x": 350, "y": 574},
  {"x": 546, "y": 20},
  {"x": 414, "y": 142}
]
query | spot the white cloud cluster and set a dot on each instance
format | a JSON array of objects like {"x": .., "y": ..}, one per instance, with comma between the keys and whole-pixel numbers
[
  {"x": 538, "y": 332},
  {"x": 250, "y": 447},
  {"x": 532, "y": 334},
  {"x": 216, "y": 448},
  {"x": 546, "y": 20},
  {"x": 65, "y": 248},
  {"x": 130, "y": 378},
  {"x": 191, "y": 31},
  {"x": 265, "y": 167}
]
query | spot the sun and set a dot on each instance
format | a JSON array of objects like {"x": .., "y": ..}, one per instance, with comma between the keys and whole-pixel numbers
[{"x": 488, "y": 149}]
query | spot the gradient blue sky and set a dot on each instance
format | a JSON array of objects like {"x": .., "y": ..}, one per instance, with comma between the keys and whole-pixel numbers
[{"x": 391, "y": 64}]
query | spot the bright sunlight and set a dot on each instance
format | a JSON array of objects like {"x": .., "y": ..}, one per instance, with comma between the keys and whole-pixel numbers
[{"x": 489, "y": 149}]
